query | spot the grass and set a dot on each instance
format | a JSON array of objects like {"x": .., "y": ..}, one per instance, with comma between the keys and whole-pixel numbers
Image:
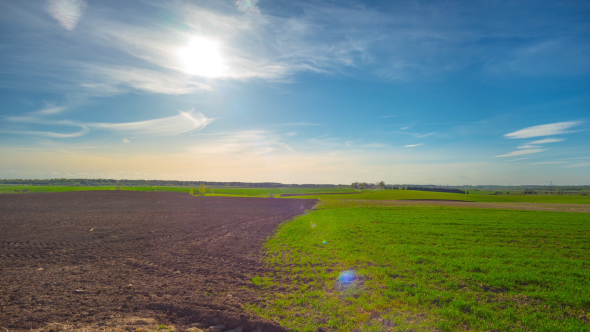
[
  {"x": 232, "y": 192},
  {"x": 429, "y": 268},
  {"x": 53, "y": 189},
  {"x": 413, "y": 194}
]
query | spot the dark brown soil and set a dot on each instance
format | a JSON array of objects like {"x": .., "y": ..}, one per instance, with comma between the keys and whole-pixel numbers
[{"x": 87, "y": 258}]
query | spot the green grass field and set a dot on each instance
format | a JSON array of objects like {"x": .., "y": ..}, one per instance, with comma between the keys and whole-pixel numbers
[
  {"x": 249, "y": 192},
  {"x": 412, "y": 194},
  {"x": 53, "y": 189},
  {"x": 429, "y": 268}
]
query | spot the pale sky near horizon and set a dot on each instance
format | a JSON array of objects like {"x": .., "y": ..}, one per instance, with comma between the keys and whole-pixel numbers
[{"x": 421, "y": 92}]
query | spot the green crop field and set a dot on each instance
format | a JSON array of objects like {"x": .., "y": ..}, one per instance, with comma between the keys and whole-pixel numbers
[
  {"x": 413, "y": 194},
  {"x": 277, "y": 191},
  {"x": 53, "y": 189},
  {"x": 429, "y": 268},
  {"x": 250, "y": 192}
]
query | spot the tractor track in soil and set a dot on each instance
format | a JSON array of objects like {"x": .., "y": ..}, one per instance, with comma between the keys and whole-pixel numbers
[{"x": 86, "y": 258}]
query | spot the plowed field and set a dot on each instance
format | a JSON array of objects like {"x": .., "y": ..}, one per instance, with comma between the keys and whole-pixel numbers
[{"x": 88, "y": 259}]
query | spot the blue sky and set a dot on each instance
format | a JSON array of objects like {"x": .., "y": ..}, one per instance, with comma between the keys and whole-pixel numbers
[{"x": 422, "y": 92}]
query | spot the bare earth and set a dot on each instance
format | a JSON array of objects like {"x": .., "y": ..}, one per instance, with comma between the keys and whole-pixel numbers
[{"x": 118, "y": 260}]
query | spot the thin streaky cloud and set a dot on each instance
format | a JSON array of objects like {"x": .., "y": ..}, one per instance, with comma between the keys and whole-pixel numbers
[
  {"x": 177, "y": 124},
  {"x": 550, "y": 129},
  {"x": 51, "y": 134},
  {"x": 517, "y": 159},
  {"x": 50, "y": 110},
  {"x": 546, "y": 163},
  {"x": 425, "y": 135},
  {"x": 413, "y": 145},
  {"x": 575, "y": 158},
  {"x": 548, "y": 140},
  {"x": 66, "y": 12},
  {"x": 579, "y": 165},
  {"x": 528, "y": 146},
  {"x": 520, "y": 153}
]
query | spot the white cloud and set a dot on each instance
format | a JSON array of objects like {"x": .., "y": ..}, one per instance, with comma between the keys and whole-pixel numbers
[
  {"x": 82, "y": 132},
  {"x": 548, "y": 140},
  {"x": 528, "y": 146},
  {"x": 177, "y": 124},
  {"x": 50, "y": 109},
  {"x": 544, "y": 130},
  {"x": 425, "y": 135},
  {"x": 413, "y": 145},
  {"x": 126, "y": 140},
  {"x": 521, "y": 152},
  {"x": 66, "y": 12},
  {"x": 173, "y": 125}
]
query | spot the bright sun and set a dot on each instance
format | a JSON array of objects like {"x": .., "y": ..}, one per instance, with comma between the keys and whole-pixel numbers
[{"x": 201, "y": 57}]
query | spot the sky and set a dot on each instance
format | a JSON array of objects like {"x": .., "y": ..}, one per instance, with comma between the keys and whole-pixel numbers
[{"x": 408, "y": 92}]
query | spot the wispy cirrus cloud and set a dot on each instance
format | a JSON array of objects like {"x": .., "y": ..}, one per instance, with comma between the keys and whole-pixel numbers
[
  {"x": 66, "y": 12},
  {"x": 241, "y": 143},
  {"x": 173, "y": 125},
  {"x": 178, "y": 124},
  {"x": 413, "y": 145},
  {"x": 579, "y": 165},
  {"x": 548, "y": 140},
  {"x": 550, "y": 129},
  {"x": 546, "y": 163},
  {"x": 520, "y": 153},
  {"x": 85, "y": 130}
]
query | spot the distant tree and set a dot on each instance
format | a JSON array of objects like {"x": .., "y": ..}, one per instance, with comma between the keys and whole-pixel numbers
[
  {"x": 202, "y": 189},
  {"x": 191, "y": 192},
  {"x": 381, "y": 185},
  {"x": 352, "y": 185}
]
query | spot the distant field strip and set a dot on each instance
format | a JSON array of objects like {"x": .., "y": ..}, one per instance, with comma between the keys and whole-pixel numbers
[
  {"x": 337, "y": 203},
  {"x": 426, "y": 195},
  {"x": 248, "y": 192},
  {"x": 429, "y": 268}
]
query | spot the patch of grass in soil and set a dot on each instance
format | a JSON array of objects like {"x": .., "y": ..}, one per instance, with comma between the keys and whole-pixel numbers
[{"x": 429, "y": 268}]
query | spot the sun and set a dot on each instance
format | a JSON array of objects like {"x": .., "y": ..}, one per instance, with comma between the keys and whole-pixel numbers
[{"x": 201, "y": 57}]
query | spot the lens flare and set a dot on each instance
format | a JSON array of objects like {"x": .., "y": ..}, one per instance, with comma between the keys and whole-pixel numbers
[
  {"x": 313, "y": 225},
  {"x": 346, "y": 277},
  {"x": 325, "y": 242}
]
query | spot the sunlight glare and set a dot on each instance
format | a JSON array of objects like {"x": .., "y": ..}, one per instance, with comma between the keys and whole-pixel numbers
[{"x": 201, "y": 57}]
